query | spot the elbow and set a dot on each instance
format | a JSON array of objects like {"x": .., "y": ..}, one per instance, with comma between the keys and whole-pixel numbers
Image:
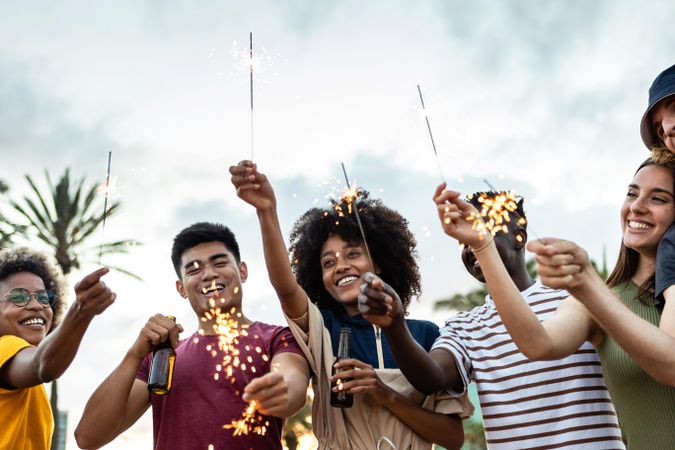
[{"x": 83, "y": 440}]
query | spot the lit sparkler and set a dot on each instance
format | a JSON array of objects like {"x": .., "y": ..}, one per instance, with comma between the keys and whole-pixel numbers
[
  {"x": 431, "y": 135},
  {"x": 105, "y": 207},
  {"x": 351, "y": 197},
  {"x": 512, "y": 201},
  {"x": 229, "y": 330}
]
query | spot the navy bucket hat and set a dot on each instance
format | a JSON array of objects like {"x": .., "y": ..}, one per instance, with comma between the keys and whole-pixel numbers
[{"x": 662, "y": 87}]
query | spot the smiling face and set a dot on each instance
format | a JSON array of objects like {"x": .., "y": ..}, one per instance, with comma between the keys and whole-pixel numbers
[
  {"x": 209, "y": 271},
  {"x": 342, "y": 266},
  {"x": 662, "y": 117},
  {"x": 648, "y": 209},
  {"x": 30, "y": 322}
]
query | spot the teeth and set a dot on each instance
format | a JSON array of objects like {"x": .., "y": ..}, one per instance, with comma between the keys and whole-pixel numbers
[
  {"x": 638, "y": 225},
  {"x": 346, "y": 280},
  {"x": 34, "y": 321},
  {"x": 212, "y": 288}
]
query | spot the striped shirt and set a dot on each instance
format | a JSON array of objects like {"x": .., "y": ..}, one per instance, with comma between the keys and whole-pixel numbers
[{"x": 561, "y": 404}]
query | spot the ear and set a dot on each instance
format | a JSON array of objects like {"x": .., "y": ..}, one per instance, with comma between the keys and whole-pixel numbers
[
  {"x": 181, "y": 289},
  {"x": 520, "y": 238},
  {"x": 243, "y": 271}
]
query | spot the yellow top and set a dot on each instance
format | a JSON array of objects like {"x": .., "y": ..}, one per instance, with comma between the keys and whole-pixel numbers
[{"x": 25, "y": 414}]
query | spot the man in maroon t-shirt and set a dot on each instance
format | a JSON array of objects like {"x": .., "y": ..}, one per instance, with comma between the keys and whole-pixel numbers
[{"x": 217, "y": 375}]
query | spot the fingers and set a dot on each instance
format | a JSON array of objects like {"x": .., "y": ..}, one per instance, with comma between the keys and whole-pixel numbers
[
  {"x": 91, "y": 279},
  {"x": 270, "y": 392}
]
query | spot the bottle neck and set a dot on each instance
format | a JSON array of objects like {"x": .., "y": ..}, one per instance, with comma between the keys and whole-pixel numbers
[{"x": 345, "y": 347}]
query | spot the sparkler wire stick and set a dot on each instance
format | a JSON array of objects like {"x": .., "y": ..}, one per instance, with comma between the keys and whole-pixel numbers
[
  {"x": 431, "y": 135},
  {"x": 250, "y": 71},
  {"x": 105, "y": 207},
  {"x": 492, "y": 188},
  {"x": 358, "y": 218}
]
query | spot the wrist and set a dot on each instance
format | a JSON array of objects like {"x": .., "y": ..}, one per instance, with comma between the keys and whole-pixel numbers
[{"x": 483, "y": 244}]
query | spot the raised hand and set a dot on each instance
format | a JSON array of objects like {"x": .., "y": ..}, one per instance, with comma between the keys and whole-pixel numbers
[
  {"x": 92, "y": 296},
  {"x": 270, "y": 393},
  {"x": 454, "y": 213},
  {"x": 560, "y": 264},
  {"x": 378, "y": 302},
  {"x": 252, "y": 186},
  {"x": 156, "y": 330}
]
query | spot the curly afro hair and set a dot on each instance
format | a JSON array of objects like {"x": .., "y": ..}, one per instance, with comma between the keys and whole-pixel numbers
[
  {"x": 23, "y": 259},
  {"x": 391, "y": 244}
]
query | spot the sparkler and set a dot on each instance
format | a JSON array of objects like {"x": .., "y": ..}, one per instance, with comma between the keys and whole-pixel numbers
[
  {"x": 105, "y": 208},
  {"x": 229, "y": 331},
  {"x": 250, "y": 71},
  {"x": 496, "y": 211},
  {"x": 351, "y": 197},
  {"x": 431, "y": 135}
]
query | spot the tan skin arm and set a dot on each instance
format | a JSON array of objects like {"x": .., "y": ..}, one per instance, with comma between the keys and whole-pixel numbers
[
  {"x": 564, "y": 264},
  {"x": 255, "y": 189},
  {"x": 32, "y": 366},
  {"x": 283, "y": 391},
  {"x": 122, "y": 398},
  {"x": 557, "y": 337}
]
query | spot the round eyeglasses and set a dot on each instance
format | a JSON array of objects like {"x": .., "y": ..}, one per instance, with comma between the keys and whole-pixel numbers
[{"x": 21, "y": 297}]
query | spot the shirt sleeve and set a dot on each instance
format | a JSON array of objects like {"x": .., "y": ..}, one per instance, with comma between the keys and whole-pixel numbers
[
  {"x": 665, "y": 263},
  {"x": 144, "y": 369},
  {"x": 451, "y": 342},
  {"x": 284, "y": 341},
  {"x": 10, "y": 345}
]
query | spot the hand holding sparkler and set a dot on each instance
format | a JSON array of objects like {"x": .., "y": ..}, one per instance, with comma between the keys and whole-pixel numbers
[
  {"x": 563, "y": 264},
  {"x": 460, "y": 219},
  {"x": 270, "y": 394},
  {"x": 252, "y": 186},
  {"x": 378, "y": 302}
]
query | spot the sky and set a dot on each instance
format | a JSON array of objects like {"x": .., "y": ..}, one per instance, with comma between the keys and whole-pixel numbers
[{"x": 541, "y": 97}]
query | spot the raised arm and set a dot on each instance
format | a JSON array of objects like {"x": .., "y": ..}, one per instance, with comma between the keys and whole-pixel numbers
[
  {"x": 254, "y": 188},
  {"x": 46, "y": 362},
  {"x": 555, "y": 338},
  {"x": 122, "y": 398},
  {"x": 564, "y": 264},
  {"x": 427, "y": 372},
  {"x": 283, "y": 391}
]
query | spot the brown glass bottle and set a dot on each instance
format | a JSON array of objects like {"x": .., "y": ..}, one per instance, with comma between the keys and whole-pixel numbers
[
  {"x": 342, "y": 399},
  {"x": 161, "y": 369}
]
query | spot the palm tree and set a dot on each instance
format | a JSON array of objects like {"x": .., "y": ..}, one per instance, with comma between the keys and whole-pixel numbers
[
  {"x": 8, "y": 230},
  {"x": 65, "y": 220}
]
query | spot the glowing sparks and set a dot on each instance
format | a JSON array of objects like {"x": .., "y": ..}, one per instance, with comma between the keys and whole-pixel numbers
[
  {"x": 495, "y": 212},
  {"x": 250, "y": 422}
]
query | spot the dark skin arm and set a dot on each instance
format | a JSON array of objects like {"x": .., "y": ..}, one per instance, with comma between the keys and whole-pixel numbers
[{"x": 427, "y": 372}]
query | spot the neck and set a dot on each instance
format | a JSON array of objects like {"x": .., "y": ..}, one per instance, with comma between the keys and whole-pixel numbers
[
  {"x": 521, "y": 278},
  {"x": 645, "y": 269}
]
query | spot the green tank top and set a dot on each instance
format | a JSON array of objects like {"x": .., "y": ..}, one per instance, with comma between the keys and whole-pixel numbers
[{"x": 646, "y": 408}]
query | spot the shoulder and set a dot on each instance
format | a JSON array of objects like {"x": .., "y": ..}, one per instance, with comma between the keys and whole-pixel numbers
[
  {"x": 278, "y": 338},
  {"x": 423, "y": 331}
]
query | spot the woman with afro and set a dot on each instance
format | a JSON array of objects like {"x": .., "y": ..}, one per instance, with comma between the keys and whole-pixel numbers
[
  {"x": 33, "y": 350},
  {"x": 318, "y": 290}
]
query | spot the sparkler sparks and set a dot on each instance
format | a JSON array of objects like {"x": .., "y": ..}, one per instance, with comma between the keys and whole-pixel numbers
[
  {"x": 237, "y": 359},
  {"x": 495, "y": 212},
  {"x": 351, "y": 197}
]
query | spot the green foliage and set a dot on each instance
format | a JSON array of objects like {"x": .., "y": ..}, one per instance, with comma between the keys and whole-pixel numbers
[{"x": 65, "y": 217}]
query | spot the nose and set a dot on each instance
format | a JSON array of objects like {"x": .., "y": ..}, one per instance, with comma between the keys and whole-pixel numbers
[
  {"x": 34, "y": 304},
  {"x": 209, "y": 272},
  {"x": 668, "y": 125},
  {"x": 639, "y": 205}
]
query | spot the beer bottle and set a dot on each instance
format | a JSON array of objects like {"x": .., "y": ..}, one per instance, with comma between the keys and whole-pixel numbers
[
  {"x": 342, "y": 399},
  {"x": 161, "y": 369}
]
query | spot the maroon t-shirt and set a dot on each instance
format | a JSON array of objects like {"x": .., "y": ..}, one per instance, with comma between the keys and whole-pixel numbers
[{"x": 193, "y": 415}]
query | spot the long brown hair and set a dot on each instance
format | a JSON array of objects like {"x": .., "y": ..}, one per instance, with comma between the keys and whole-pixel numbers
[{"x": 627, "y": 262}]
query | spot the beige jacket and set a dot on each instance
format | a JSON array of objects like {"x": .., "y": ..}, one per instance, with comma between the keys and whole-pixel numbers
[{"x": 364, "y": 426}]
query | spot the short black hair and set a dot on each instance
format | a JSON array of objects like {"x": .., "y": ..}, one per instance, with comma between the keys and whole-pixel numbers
[
  {"x": 23, "y": 259},
  {"x": 200, "y": 233},
  {"x": 391, "y": 244},
  {"x": 516, "y": 215}
]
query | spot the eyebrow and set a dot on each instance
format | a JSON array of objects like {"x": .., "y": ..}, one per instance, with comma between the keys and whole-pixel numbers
[
  {"x": 211, "y": 259},
  {"x": 656, "y": 189},
  {"x": 347, "y": 245}
]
